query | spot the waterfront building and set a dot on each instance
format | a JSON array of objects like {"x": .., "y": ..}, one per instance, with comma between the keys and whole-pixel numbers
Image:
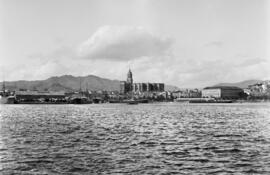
[
  {"x": 260, "y": 90},
  {"x": 247, "y": 91},
  {"x": 187, "y": 93},
  {"x": 129, "y": 77},
  {"x": 128, "y": 86},
  {"x": 262, "y": 87},
  {"x": 39, "y": 96},
  {"x": 124, "y": 87},
  {"x": 224, "y": 92},
  {"x": 148, "y": 87}
]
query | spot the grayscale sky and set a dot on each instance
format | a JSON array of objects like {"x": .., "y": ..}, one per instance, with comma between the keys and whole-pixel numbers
[{"x": 188, "y": 43}]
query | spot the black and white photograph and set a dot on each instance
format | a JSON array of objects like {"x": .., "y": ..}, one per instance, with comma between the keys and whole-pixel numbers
[{"x": 134, "y": 87}]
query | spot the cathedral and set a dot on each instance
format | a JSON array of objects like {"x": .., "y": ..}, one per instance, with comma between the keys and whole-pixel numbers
[{"x": 128, "y": 86}]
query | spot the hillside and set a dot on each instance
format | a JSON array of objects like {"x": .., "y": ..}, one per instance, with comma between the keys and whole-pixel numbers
[
  {"x": 69, "y": 83},
  {"x": 66, "y": 83},
  {"x": 171, "y": 88},
  {"x": 242, "y": 84}
]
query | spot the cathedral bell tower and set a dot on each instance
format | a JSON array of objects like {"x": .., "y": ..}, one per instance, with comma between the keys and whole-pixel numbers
[
  {"x": 129, "y": 77},
  {"x": 129, "y": 81}
]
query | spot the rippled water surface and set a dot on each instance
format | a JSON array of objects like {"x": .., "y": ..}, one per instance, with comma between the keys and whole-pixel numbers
[{"x": 162, "y": 138}]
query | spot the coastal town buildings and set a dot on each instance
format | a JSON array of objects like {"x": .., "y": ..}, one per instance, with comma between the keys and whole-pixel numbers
[
  {"x": 260, "y": 87},
  {"x": 260, "y": 90},
  {"x": 223, "y": 92},
  {"x": 128, "y": 86},
  {"x": 148, "y": 87},
  {"x": 187, "y": 93},
  {"x": 24, "y": 96}
]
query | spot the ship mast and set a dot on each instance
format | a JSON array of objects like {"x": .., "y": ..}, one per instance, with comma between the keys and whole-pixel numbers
[
  {"x": 80, "y": 84},
  {"x": 4, "y": 87}
]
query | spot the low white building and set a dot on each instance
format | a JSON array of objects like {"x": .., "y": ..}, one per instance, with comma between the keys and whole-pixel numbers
[
  {"x": 216, "y": 93},
  {"x": 225, "y": 92}
]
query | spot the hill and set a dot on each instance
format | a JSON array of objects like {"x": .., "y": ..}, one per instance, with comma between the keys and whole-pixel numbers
[
  {"x": 65, "y": 83},
  {"x": 70, "y": 83},
  {"x": 242, "y": 84},
  {"x": 171, "y": 88}
]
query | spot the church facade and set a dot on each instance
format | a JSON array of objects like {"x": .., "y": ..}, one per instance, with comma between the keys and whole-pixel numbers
[{"x": 128, "y": 86}]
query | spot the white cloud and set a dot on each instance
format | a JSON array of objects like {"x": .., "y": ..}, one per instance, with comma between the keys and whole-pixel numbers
[
  {"x": 124, "y": 43},
  {"x": 214, "y": 44},
  {"x": 111, "y": 50}
]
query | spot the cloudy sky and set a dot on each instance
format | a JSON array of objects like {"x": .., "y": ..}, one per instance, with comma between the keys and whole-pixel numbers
[{"x": 180, "y": 42}]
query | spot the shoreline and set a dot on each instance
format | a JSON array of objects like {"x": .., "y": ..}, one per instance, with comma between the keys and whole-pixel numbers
[{"x": 150, "y": 102}]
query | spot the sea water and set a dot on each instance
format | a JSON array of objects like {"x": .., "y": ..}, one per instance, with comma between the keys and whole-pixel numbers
[{"x": 158, "y": 138}]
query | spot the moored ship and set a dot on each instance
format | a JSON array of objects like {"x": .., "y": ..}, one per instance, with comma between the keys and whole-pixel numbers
[
  {"x": 135, "y": 101},
  {"x": 3, "y": 100},
  {"x": 7, "y": 100},
  {"x": 210, "y": 101},
  {"x": 5, "y": 97},
  {"x": 131, "y": 102}
]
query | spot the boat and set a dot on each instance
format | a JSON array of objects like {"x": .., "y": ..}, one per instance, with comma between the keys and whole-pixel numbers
[
  {"x": 210, "y": 101},
  {"x": 135, "y": 101},
  {"x": 131, "y": 102},
  {"x": 143, "y": 101},
  {"x": 5, "y": 98},
  {"x": 114, "y": 101},
  {"x": 182, "y": 100},
  {"x": 79, "y": 99}
]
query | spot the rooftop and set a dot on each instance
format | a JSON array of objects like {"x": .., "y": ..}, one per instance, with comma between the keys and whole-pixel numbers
[
  {"x": 223, "y": 87},
  {"x": 40, "y": 93}
]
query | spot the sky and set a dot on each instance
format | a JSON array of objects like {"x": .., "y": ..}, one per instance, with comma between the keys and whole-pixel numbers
[{"x": 187, "y": 43}]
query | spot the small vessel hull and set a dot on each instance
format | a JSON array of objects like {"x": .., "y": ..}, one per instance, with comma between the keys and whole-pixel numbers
[
  {"x": 210, "y": 101},
  {"x": 80, "y": 101},
  {"x": 7, "y": 100},
  {"x": 114, "y": 101},
  {"x": 133, "y": 101},
  {"x": 3, "y": 100}
]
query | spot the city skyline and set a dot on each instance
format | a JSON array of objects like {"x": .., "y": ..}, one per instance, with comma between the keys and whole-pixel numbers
[{"x": 182, "y": 43}]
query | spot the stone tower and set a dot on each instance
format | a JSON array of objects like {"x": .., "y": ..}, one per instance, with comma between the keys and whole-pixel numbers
[
  {"x": 129, "y": 81},
  {"x": 129, "y": 77}
]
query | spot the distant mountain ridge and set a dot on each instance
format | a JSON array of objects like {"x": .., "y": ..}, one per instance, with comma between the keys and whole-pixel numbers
[
  {"x": 65, "y": 83},
  {"x": 69, "y": 83},
  {"x": 242, "y": 84}
]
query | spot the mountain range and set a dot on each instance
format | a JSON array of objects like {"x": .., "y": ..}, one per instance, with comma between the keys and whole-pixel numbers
[
  {"x": 70, "y": 83},
  {"x": 242, "y": 84}
]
